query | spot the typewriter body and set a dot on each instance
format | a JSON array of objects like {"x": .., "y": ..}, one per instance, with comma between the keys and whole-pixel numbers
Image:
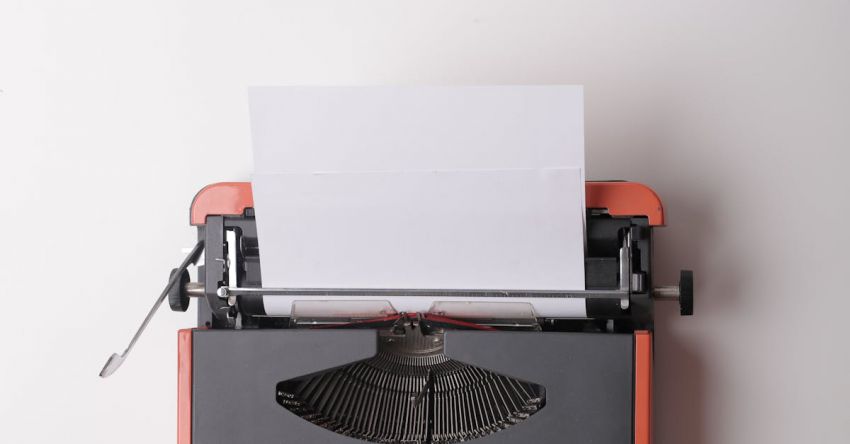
[{"x": 343, "y": 366}]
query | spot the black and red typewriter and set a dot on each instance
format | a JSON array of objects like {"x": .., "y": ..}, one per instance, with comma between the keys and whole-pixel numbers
[{"x": 247, "y": 375}]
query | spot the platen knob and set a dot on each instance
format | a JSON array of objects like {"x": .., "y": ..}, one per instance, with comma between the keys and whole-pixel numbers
[
  {"x": 683, "y": 293},
  {"x": 686, "y": 293},
  {"x": 178, "y": 299}
]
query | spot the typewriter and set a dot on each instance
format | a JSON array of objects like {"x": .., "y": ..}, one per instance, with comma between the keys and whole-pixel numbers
[{"x": 344, "y": 366}]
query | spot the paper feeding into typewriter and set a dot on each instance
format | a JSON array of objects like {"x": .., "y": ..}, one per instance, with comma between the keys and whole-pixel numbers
[{"x": 477, "y": 187}]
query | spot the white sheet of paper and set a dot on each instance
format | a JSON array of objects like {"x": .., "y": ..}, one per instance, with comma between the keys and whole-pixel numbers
[
  {"x": 414, "y": 128},
  {"x": 420, "y": 187},
  {"x": 494, "y": 229}
]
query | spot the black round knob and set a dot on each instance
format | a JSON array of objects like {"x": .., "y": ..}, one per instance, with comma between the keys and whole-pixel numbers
[
  {"x": 686, "y": 293},
  {"x": 177, "y": 297}
]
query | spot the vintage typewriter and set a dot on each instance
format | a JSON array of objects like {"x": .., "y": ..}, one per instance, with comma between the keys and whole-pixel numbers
[{"x": 344, "y": 366}]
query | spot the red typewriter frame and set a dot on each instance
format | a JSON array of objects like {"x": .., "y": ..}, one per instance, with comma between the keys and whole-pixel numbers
[{"x": 616, "y": 197}]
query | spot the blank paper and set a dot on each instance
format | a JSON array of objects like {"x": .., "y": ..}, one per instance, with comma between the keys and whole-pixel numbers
[
  {"x": 495, "y": 229},
  {"x": 396, "y": 128},
  {"x": 474, "y": 187}
]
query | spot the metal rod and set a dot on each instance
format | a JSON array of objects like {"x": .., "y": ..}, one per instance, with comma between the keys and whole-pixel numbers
[
  {"x": 194, "y": 289},
  {"x": 116, "y": 360},
  {"x": 225, "y": 292},
  {"x": 666, "y": 293}
]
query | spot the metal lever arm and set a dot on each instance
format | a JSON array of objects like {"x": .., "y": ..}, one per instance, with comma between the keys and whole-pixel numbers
[{"x": 116, "y": 360}]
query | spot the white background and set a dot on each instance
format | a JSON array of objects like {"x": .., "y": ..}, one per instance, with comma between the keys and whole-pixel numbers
[{"x": 112, "y": 115}]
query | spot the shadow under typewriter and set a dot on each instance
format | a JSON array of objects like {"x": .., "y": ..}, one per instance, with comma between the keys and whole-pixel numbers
[{"x": 410, "y": 392}]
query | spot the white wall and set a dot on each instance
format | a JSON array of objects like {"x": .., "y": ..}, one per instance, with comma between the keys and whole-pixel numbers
[{"x": 112, "y": 114}]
